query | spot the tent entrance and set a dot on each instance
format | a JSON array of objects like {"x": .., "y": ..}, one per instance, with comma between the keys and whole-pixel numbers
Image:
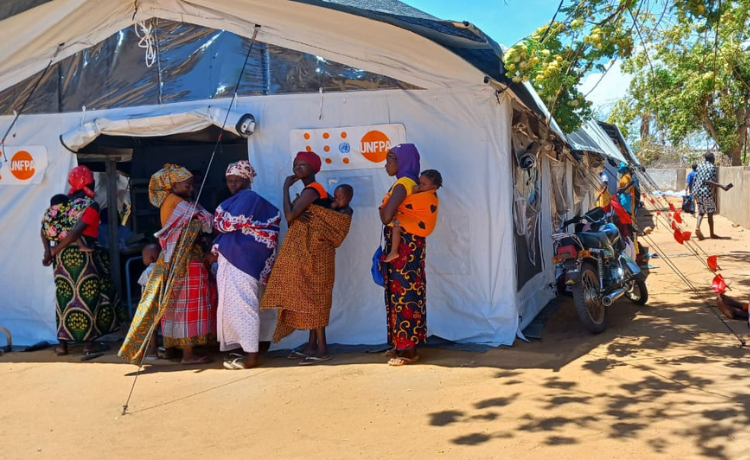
[{"x": 125, "y": 165}]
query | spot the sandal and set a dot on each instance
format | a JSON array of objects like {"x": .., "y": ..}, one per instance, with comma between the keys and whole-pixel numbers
[
  {"x": 294, "y": 354},
  {"x": 310, "y": 360},
  {"x": 89, "y": 355},
  {"x": 235, "y": 364},
  {"x": 402, "y": 361}
]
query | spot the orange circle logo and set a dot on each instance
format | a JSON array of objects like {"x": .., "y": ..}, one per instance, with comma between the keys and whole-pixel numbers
[
  {"x": 374, "y": 146},
  {"x": 22, "y": 165}
]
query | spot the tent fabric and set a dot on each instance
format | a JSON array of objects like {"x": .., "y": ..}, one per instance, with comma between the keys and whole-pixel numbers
[
  {"x": 471, "y": 275},
  {"x": 591, "y": 137}
]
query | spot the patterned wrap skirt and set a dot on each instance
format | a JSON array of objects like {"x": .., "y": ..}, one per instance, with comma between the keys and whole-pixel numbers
[
  {"x": 189, "y": 319},
  {"x": 87, "y": 303},
  {"x": 406, "y": 292}
]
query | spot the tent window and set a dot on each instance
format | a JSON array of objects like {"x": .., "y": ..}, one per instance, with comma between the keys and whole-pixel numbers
[{"x": 193, "y": 63}]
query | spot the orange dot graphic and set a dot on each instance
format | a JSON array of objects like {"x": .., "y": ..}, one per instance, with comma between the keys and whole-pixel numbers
[
  {"x": 326, "y": 135},
  {"x": 22, "y": 165},
  {"x": 329, "y": 161},
  {"x": 327, "y": 148},
  {"x": 346, "y": 160},
  {"x": 374, "y": 146},
  {"x": 343, "y": 134},
  {"x": 307, "y": 136},
  {"x": 308, "y": 148}
]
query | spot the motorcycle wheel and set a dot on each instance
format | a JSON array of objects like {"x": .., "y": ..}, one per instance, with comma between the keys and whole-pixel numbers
[
  {"x": 588, "y": 303},
  {"x": 637, "y": 292}
]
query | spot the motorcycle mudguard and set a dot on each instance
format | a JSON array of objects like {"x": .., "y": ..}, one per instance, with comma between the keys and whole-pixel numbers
[{"x": 632, "y": 267}]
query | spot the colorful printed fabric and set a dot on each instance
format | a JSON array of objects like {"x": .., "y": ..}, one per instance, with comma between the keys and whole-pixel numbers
[
  {"x": 60, "y": 219},
  {"x": 249, "y": 233},
  {"x": 158, "y": 293},
  {"x": 243, "y": 169},
  {"x": 87, "y": 303},
  {"x": 406, "y": 292},
  {"x": 178, "y": 288},
  {"x": 627, "y": 197},
  {"x": 162, "y": 180},
  {"x": 188, "y": 321},
  {"x": 79, "y": 179},
  {"x": 170, "y": 234},
  {"x": 301, "y": 283},
  {"x": 418, "y": 213}
]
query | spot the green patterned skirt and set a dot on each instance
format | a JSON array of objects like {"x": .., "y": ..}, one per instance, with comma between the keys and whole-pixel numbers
[{"x": 87, "y": 303}]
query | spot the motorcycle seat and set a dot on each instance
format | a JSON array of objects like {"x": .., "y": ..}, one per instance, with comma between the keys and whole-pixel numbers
[
  {"x": 593, "y": 239},
  {"x": 611, "y": 231}
]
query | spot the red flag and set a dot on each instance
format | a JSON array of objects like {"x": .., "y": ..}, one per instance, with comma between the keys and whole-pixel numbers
[
  {"x": 713, "y": 262},
  {"x": 678, "y": 236},
  {"x": 718, "y": 284},
  {"x": 652, "y": 201},
  {"x": 658, "y": 213},
  {"x": 671, "y": 207},
  {"x": 674, "y": 226},
  {"x": 686, "y": 236},
  {"x": 678, "y": 217}
]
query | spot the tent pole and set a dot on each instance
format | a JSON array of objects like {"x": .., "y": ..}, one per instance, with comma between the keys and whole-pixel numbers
[{"x": 114, "y": 226}]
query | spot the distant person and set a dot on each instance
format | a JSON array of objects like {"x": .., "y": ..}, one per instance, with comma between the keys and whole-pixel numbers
[
  {"x": 704, "y": 187},
  {"x": 603, "y": 198},
  {"x": 690, "y": 179},
  {"x": 626, "y": 189},
  {"x": 688, "y": 202}
]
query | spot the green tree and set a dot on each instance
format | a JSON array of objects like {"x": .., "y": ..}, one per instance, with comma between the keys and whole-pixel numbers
[{"x": 689, "y": 60}]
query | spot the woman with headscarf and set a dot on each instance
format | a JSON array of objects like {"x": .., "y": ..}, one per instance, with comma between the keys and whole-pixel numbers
[
  {"x": 301, "y": 283},
  {"x": 179, "y": 292},
  {"x": 87, "y": 304},
  {"x": 405, "y": 279},
  {"x": 248, "y": 227},
  {"x": 626, "y": 190}
]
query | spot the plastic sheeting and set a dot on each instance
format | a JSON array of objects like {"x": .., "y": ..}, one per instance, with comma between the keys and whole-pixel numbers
[
  {"x": 470, "y": 257},
  {"x": 591, "y": 137},
  {"x": 190, "y": 63}
]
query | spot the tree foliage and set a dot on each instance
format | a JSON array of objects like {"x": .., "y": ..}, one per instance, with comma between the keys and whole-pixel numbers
[{"x": 689, "y": 60}]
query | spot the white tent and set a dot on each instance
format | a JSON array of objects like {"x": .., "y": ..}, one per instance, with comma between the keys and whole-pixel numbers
[{"x": 433, "y": 83}]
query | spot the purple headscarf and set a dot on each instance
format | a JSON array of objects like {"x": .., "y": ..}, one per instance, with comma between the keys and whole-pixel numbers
[{"x": 407, "y": 157}]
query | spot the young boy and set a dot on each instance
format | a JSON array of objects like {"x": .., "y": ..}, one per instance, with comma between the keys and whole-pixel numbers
[
  {"x": 342, "y": 196},
  {"x": 59, "y": 219},
  {"x": 429, "y": 180}
]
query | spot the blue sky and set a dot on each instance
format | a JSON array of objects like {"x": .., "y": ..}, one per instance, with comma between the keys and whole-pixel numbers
[{"x": 506, "y": 21}]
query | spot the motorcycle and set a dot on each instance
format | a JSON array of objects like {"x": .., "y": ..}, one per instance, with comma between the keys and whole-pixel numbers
[{"x": 594, "y": 265}]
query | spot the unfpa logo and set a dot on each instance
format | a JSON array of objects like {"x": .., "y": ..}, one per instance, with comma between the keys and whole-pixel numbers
[
  {"x": 375, "y": 146},
  {"x": 22, "y": 165}
]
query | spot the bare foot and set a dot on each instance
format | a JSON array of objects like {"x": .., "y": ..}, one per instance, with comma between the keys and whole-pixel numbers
[
  {"x": 61, "y": 350},
  {"x": 717, "y": 237},
  {"x": 251, "y": 361},
  {"x": 391, "y": 257}
]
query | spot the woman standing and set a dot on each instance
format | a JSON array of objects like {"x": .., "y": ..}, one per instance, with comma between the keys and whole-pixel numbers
[
  {"x": 87, "y": 304},
  {"x": 246, "y": 246},
  {"x": 405, "y": 280},
  {"x": 178, "y": 292},
  {"x": 301, "y": 283}
]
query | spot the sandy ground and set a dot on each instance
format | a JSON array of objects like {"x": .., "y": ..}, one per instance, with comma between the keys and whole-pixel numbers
[{"x": 666, "y": 380}]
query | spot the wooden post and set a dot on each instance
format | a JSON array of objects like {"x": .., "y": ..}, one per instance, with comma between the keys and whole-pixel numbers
[{"x": 114, "y": 226}]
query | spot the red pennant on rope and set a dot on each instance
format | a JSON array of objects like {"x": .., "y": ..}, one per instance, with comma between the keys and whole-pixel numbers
[
  {"x": 658, "y": 213},
  {"x": 652, "y": 201},
  {"x": 674, "y": 226},
  {"x": 678, "y": 236},
  {"x": 678, "y": 217},
  {"x": 671, "y": 207},
  {"x": 718, "y": 284},
  {"x": 645, "y": 196},
  {"x": 713, "y": 262},
  {"x": 686, "y": 236}
]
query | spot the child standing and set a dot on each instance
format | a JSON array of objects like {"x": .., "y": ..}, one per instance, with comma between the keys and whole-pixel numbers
[{"x": 429, "y": 180}]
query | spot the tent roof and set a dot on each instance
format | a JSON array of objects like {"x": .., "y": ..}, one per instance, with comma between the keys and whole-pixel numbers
[{"x": 439, "y": 53}]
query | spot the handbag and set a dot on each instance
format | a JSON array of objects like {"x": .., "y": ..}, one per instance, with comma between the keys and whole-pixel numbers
[
  {"x": 687, "y": 204},
  {"x": 378, "y": 268}
]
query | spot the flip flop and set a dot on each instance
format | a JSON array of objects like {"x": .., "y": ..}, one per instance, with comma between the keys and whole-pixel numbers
[
  {"x": 294, "y": 354},
  {"x": 236, "y": 355},
  {"x": 310, "y": 360},
  {"x": 392, "y": 353},
  {"x": 234, "y": 365},
  {"x": 401, "y": 361}
]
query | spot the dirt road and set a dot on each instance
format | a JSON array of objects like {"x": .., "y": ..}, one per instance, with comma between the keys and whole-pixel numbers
[{"x": 666, "y": 380}]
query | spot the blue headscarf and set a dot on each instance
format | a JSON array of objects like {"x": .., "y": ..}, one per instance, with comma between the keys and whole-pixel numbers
[
  {"x": 623, "y": 168},
  {"x": 249, "y": 233},
  {"x": 407, "y": 157}
]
